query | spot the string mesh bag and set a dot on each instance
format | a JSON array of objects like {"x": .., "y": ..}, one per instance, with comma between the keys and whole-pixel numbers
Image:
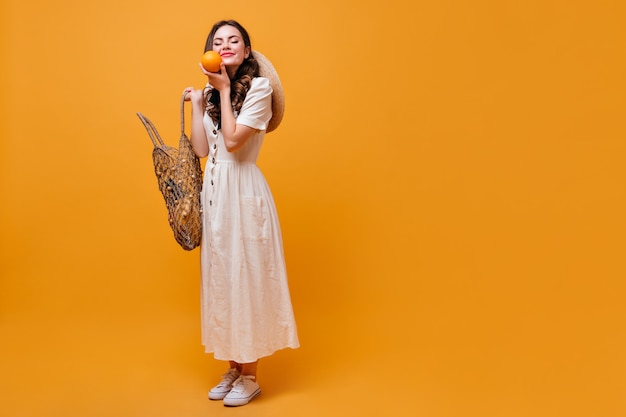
[{"x": 179, "y": 176}]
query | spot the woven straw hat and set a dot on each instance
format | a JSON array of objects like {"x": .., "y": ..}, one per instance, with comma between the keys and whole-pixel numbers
[{"x": 267, "y": 70}]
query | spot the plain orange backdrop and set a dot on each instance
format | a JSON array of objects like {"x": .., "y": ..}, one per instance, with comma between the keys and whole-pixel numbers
[{"x": 449, "y": 176}]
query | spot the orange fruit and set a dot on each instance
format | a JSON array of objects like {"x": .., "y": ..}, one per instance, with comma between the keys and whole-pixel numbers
[{"x": 211, "y": 61}]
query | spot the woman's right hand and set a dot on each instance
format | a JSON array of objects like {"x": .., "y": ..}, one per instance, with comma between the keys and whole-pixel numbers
[
  {"x": 198, "y": 137},
  {"x": 193, "y": 95}
]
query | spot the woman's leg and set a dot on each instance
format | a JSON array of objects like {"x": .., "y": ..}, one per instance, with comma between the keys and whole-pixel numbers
[
  {"x": 234, "y": 364},
  {"x": 249, "y": 368}
]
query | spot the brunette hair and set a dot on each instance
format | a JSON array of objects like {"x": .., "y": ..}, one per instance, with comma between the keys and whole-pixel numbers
[{"x": 240, "y": 83}]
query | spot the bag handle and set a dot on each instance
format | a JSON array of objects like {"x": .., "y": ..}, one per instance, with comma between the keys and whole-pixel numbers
[
  {"x": 152, "y": 132},
  {"x": 182, "y": 114}
]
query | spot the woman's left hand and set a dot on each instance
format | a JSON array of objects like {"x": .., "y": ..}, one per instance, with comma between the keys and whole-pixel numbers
[{"x": 219, "y": 80}]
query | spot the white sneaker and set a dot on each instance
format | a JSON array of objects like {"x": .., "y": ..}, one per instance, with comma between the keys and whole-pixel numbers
[
  {"x": 244, "y": 390},
  {"x": 220, "y": 390}
]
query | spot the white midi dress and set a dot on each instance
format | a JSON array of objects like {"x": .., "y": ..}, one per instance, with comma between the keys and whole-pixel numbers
[{"x": 246, "y": 305}]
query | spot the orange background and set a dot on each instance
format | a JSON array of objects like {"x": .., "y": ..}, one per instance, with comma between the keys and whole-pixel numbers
[{"x": 449, "y": 176}]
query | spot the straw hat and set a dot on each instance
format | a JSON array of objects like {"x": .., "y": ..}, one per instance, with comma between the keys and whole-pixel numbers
[{"x": 267, "y": 70}]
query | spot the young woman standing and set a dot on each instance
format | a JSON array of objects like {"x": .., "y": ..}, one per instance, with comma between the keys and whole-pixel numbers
[{"x": 246, "y": 305}]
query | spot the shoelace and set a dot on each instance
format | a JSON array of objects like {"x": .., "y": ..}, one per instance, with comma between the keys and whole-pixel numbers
[
  {"x": 228, "y": 378},
  {"x": 240, "y": 383}
]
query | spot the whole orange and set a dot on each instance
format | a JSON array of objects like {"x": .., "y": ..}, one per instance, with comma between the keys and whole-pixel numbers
[{"x": 211, "y": 61}]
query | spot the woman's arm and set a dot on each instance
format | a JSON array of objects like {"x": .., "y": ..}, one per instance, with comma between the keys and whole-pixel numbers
[
  {"x": 198, "y": 138},
  {"x": 235, "y": 136}
]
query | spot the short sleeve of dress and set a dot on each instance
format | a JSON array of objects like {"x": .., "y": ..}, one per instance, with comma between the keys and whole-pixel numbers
[{"x": 256, "y": 110}]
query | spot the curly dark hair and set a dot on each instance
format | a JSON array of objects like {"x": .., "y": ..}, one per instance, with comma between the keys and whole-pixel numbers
[{"x": 240, "y": 83}]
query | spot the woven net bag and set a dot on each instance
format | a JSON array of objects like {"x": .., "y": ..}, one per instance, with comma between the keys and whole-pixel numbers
[{"x": 179, "y": 176}]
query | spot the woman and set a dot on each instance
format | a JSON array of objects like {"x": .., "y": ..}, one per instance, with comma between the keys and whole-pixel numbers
[{"x": 246, "y": 306}]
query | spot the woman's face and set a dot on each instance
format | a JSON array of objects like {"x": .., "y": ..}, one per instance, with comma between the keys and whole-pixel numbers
[{"x": 229, "y": 43}]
